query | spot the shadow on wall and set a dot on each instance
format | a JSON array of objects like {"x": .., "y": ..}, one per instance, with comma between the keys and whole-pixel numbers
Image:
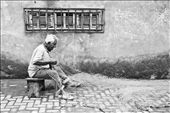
[
  {"x": 140, "y": 67},
  {"x": 13, "y": 69}
]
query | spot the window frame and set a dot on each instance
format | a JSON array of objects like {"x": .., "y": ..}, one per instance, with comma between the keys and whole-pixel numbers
[{"x": 62, "y": 24}]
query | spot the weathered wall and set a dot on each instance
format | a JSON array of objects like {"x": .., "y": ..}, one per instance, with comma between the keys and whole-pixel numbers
[{"x": 132, "y": 28}]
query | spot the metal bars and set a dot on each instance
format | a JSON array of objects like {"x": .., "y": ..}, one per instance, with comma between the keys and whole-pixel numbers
[{"x": 62, "y": 19}]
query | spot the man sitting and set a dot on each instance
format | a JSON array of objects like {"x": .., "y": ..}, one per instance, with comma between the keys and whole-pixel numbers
[{"x": 42, "y": 65}]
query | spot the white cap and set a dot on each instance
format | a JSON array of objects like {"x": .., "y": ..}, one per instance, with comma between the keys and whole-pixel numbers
[{"x": 50, "y": 38}]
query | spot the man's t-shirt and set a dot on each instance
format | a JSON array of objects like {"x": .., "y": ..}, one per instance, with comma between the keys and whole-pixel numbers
[{"x": 39, "y": 54}]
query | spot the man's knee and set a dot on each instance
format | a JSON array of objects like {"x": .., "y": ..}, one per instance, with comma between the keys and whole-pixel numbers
[{"x": 52, "y": 72}]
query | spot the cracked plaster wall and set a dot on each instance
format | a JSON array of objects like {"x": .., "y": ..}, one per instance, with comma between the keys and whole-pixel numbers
[{"x": 131, "y": 29}]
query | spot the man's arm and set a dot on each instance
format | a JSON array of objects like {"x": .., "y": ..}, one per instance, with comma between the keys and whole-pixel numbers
[{"x": 41, "y": 63}]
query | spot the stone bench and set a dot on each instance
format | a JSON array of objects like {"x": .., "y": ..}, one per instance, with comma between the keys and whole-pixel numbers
[{"x": 34, "y": 86}]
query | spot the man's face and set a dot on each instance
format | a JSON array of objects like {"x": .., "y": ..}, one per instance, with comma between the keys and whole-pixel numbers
[{"x": 51, "y": 46}]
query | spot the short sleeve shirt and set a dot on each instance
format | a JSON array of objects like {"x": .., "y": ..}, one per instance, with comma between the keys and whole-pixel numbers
[{"x": 39, "y": 54}]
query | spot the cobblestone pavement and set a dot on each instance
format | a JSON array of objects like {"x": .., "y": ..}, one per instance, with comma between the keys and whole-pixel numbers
[{"x": 88, "y": 99}]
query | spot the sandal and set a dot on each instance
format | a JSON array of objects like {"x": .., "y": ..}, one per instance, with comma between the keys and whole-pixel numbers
[
  {"x": 74, "y": 84},
  {"x": 67, "y": 96}
]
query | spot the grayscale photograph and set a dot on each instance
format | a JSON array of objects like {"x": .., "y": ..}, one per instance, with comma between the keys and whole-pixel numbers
[{"x": 85, "y": 56}]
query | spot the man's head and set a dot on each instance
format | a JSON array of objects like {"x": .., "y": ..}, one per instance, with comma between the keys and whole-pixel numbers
[{"x": 50, "y": 42}]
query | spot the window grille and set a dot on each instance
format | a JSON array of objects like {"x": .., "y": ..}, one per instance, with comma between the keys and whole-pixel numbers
[{"x": 64, "y": 20}]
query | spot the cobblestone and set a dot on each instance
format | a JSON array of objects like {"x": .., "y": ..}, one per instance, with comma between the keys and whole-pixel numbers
[{"x": 91, "y": 99}]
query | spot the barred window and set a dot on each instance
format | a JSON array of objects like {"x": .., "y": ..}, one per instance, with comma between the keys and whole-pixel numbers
[{"x": 64, "y": 20}]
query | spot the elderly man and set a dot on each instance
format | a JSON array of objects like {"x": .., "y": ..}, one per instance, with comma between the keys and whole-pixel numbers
[{"x": 43, "y": 66}]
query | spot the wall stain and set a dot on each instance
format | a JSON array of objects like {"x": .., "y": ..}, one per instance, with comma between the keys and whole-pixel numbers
[{"x": 13, "y": 68}]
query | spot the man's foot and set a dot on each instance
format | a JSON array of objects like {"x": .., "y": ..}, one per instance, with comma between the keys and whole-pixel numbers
[
  {"x": 66, "y": 81},
  {"x": 74, "y": 84},
  {"x": 71, "y": 83},
  {"x": 67, "y": 96}
]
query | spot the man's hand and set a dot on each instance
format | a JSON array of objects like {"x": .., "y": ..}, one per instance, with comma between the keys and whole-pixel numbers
[{"x": 53, "y": 61}]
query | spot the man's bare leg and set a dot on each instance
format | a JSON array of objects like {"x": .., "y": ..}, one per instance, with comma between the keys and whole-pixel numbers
[
  {"x": 60, "y": 72},
  {"x": 48, "y": 73}
]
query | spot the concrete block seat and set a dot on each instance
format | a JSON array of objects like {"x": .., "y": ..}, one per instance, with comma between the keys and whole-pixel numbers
[{"x": 34, "y": 86}]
